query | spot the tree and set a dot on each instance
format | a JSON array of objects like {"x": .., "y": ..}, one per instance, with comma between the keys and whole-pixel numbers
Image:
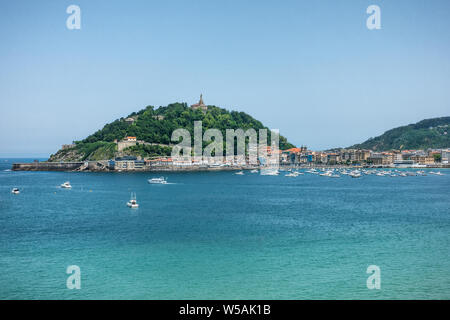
[{"x": 437, "y": 157}]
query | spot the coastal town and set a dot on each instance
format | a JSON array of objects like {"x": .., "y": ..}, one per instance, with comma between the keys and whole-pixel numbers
[
  {"x": 290, "y": 158},
  {"x": 296, "y": 157}
]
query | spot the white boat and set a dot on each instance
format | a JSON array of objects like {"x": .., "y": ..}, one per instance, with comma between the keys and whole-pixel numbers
[
  {"x": 160, "y": 180},
  {"x": 269, "y": 172},
  {"x": 241, "y": 173},
  {"x": 133, "y": 203},
  {"x": 330, "y": 174},
  {"x": 15, "y": 191},
  {"x": 254, "y": 171},
  {"x": 292, "y": 174},
  {"x": 355, "y": 174},
  {"x": 438, "y": 173},
  {"x": 66, "y": 185}
]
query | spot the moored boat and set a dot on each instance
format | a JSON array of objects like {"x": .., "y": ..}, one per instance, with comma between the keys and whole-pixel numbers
[
  {"x": 269, "y": 172},
  {"x": 355, "y": 174},
  {"x": 133, "y": 203},
  {"x": 66, "y": 185},
  {"x": 160, "y": 180}
]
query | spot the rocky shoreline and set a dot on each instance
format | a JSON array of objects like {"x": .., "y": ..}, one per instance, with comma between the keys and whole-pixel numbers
[{"x": 97, "y": 166}]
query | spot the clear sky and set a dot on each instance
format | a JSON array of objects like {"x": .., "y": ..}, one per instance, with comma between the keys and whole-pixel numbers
[{"x": 309, "y": 68}]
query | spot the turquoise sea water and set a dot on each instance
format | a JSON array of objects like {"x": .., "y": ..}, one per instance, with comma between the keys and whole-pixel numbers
[{"x": 223, "y": 236}]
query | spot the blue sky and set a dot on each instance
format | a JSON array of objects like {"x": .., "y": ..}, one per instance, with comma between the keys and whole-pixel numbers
[{"x": 309, "y": 68}]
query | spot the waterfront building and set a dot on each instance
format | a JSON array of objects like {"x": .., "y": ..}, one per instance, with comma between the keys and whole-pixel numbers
[
  {"x": 381, "y": 158},
  {"x": 422, "y": 159},
  {"x": 445, "y": 156},
  {"x": 161, "y": 162},
  {"x": 354, "y": 155},
  {"x": 291, "y": 156},
  {"x": 403, "y": 163},
  {"x": 127, "y": 163},
  {"x": 333, "y": 158}
]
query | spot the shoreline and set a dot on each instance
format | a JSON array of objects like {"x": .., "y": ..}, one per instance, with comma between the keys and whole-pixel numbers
[{"x": 99, "y": 166}]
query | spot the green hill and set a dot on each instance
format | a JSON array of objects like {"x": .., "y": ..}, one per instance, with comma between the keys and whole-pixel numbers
[
  {"x": 429, "y": 133},
  {"x": 155, "y": 127}
]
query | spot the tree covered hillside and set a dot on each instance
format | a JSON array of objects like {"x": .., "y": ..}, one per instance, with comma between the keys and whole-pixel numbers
[
  {"x": 155, "y": 127},
  {"x": 429, "y": 133}
]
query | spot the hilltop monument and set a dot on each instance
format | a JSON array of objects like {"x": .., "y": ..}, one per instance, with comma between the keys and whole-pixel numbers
[{"x": 200, "y": 105}]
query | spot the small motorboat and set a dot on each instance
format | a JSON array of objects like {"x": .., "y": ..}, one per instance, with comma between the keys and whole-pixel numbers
[
  {"x": 241, "y": 173},
  {"x": 355, "y": 174},
  {"x": 254, "y": 171},
  {"x": 133, "y": 203},
  {"x": 66, "y": 185},
  {"x": 269, "y": 172},
  {"x": 15, "y": 191},
  {"x": 160, "y": 180},
  {"x": 292, "y": 174}
]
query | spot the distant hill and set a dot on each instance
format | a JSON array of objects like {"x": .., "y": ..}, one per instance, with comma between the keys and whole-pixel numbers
[
  {"x": 429, "y": 133},
  {"x": 155, "y": 127}
]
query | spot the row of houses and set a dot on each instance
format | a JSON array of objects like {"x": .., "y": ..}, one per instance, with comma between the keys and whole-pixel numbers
[
  {"x": 358, "y": 156},
  {"x": 131, "y": 163},
  {"x": 295, "y": 156}
]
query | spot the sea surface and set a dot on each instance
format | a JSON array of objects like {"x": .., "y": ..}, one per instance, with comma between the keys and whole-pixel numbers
[{"x": 216, "y": 235}]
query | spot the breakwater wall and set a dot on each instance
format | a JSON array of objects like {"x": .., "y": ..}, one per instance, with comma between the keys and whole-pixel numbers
[
  {"x": 102, "y": 166},
  {"x": 47, "y": 166}
]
